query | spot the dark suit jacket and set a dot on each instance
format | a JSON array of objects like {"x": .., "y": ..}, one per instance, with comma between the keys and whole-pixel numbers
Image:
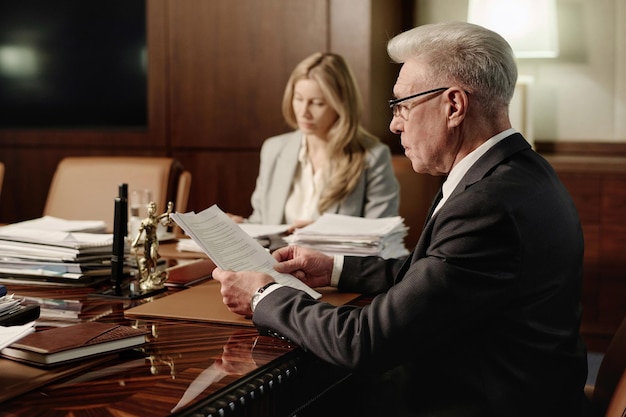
[{"x": 483, "y": 317}]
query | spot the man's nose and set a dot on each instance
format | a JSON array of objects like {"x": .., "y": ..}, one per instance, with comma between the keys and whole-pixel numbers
[{"x": 396, "y": 126}]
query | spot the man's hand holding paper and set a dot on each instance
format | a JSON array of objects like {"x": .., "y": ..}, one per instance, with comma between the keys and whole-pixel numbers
[{"x": 314, "y": 271}]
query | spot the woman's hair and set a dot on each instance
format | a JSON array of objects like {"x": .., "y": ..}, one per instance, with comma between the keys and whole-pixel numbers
[
  {"x": 478, "y": 59},
  {"x": 348, "y": 140}
]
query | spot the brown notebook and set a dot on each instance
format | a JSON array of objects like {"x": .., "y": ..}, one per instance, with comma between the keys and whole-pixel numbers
[
  {"x": 63, "y": 344},
  {"x": 204, "y": 303},
  {"x": 189, "y": 273}
]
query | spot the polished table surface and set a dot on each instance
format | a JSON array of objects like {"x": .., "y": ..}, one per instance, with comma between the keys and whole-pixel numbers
[{"x": 186, "y": 368}]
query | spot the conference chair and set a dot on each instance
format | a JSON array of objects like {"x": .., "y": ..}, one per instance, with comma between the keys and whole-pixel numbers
[
  {"x": 606, "y": 390},
  {"x": 1, "y": 175},
  {"x": 416, "y": 194},
  {"x": 85, "y": 188},
  {"x": 617, "y": 406}
]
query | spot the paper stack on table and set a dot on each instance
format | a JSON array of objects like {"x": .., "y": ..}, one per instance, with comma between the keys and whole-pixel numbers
[
  {"x": 11, "y": 334},
  {"x": 262, "y": 233},
  {"x": 356, "y": 236},
  {"x": 54, "y": 248}
]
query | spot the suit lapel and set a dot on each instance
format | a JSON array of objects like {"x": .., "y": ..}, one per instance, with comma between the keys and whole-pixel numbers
[{"x": 493, "y": 157}]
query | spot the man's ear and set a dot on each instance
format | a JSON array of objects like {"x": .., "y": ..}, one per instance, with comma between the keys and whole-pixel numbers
[{"x": 457, "y": 101}]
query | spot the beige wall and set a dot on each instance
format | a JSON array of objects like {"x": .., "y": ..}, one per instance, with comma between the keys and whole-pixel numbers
[{"x": 581, "y": 95}]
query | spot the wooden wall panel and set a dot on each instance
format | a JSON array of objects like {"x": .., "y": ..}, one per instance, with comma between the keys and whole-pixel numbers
[
  {"x": 229, "y": 63},
  {"x": 360, "y": 34},
  {"x": 223, "y": 178},
  {"x": 613, "y": 205},
  {"x": 598, "y": 187}
]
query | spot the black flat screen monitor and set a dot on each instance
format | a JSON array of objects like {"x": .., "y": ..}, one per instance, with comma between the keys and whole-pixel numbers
[{"x": 73, "y": 64}]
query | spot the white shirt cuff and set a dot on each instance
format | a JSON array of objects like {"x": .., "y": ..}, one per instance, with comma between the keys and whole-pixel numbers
[
  {"x": 337, "y": 268},
  {"x": 263, "y": 294}
]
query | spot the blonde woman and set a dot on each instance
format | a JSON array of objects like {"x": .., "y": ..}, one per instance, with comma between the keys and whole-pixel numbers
[{"x": 329, "y": 163}]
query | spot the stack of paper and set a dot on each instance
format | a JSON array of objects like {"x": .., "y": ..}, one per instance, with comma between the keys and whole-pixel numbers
[
  {"x": 262, "y": 233},
  {"x": 357, "y": 236},
  {"x": 12, "y": 334},
  {"x": 55, "y": 224},
  {"x": 54, "y": 248}
]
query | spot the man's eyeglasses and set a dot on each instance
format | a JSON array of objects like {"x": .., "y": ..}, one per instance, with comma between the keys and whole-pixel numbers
[{"x": 402, "y": 110}]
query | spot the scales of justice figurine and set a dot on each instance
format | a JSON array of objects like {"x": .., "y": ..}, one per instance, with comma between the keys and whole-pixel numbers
[
  {"x": 151, "y": 279},
  {"x": 149, "y": 275}
]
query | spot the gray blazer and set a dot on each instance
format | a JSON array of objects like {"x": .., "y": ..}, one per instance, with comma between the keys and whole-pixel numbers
[
  {"x": 483, "y": 317},
  {"x": 375, "y": 195}
]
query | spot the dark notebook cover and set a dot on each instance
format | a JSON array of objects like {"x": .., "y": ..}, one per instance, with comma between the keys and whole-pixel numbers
[{"x": 78, "y": 341}]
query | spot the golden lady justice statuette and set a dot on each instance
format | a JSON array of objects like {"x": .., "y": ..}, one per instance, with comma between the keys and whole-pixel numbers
[{"x": 150, "y": 278}]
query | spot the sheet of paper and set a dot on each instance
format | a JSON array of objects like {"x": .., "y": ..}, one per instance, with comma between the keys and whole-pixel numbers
[
  {"x": 51, "y": 223},
  {"x": 229, "y": 247},
  {"x": 12, "y": 334},
  {"x": 330, "y": 224},
  {"x": 74, "y": 240}
]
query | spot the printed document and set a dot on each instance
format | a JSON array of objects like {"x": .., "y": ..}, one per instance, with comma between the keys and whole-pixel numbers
[{"x": 230, "y": 247}]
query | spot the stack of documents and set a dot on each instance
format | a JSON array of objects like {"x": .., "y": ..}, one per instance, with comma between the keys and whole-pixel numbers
[
  {"x": 262, "y": 233},
  {"x": 52, "y": 248},
  {"x": 337, "y": 234},
  {"x": 11, "y": 334}
]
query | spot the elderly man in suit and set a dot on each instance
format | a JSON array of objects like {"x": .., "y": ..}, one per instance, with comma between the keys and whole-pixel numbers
[{"x": 482, "y": 318}]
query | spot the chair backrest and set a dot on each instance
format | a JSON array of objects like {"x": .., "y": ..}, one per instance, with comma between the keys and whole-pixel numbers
[
  {"x": 182, "y": 192},
  {"x": 84, "y": 188},
  {"x": 611, "y": 370},
  {"x": 416, "y": 194},
  {"x": 1, "y": 175},
  {"x": 617, "y": 406}
]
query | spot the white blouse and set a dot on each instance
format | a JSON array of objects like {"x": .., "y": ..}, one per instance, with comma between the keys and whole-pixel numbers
[{"x": 306, "y": 189}]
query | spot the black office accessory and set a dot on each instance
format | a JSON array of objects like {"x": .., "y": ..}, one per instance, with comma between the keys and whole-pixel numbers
[
  {"x": 22, "y": 315},
  {"x": 120, "y": 223}
]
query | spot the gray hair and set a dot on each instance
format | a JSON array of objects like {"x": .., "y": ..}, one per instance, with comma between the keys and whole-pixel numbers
[{"x": 478, "y": 59}]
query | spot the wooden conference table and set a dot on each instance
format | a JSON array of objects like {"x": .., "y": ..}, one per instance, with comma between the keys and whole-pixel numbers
[{"x": 186, "y": 368}]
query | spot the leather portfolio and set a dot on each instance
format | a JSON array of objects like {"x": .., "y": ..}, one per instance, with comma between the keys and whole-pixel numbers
[{"x": 204, "y": 303}]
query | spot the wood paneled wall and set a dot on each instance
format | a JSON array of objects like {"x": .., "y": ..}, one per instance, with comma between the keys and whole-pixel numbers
[
  {"x": 217, "y": 71},
  {"x": 598, "y": 187}
]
